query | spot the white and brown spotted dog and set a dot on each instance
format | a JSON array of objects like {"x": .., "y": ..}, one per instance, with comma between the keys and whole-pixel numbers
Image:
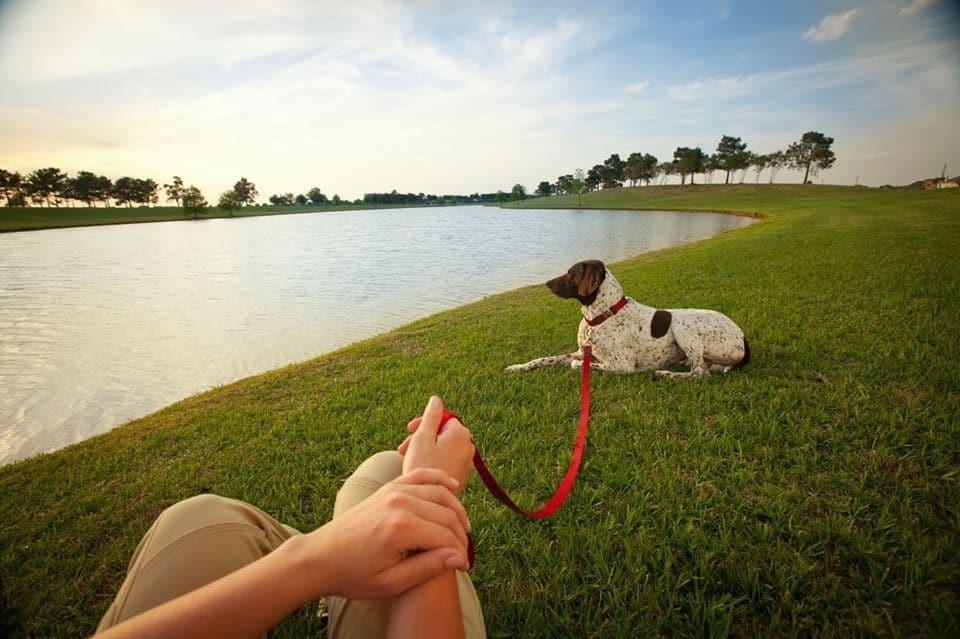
[{"x": 628, "y": 337}]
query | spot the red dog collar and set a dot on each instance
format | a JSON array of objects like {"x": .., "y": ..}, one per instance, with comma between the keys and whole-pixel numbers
[{"x": 610, "y": 312}]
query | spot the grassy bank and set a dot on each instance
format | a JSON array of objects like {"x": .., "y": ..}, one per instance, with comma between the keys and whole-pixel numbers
[
  {"x": 814, "y": 492},
  {"x": 36, "y": 218}
]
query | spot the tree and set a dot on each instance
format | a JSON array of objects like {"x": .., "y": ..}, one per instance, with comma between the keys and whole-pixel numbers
[
  {"x": 45, "y": 184},
  {"x": 665, "y": 170},
  {"x": 316, "y": 196},
  {"x": 759, "y": 162},
  {"x": 230, "y": 201},
  {"x": 336, "y": 199},
  {"x": 518, "y": 192},
  {"x": 612, "y": 174},
  {"x": 544, "y": 188},
  {"x": 301, "y": 200},
  {"x": 776, "y": 161},
  {"x": 688, "y": 161},
  {"x": 594, "y": 177},
  {"x": 146, "y": 191},
  {"x": 282, "y": 199},
  {"x": 84, "y": 187},
  {"x": 125, "y": 190},
  {"x": 563, "y": 185},
  {"x": 501, "y": 196},
  {"x": 10, "y": 182},
  {"x": 193, "y": 201},
  {"x": 730, "y": 154},
  {"x": 812, "y": 153},
  {"x": 246, "y": 191},
  {"x": 174, "y": 190},
  {"x": 633, "y": 168}
]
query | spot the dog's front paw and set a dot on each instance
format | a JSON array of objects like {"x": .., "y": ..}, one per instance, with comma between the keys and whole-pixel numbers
[
  {"x": 515, "y": 368},
  {"x": 576, "y": 364},
  {"x": 657, "y": 375}
]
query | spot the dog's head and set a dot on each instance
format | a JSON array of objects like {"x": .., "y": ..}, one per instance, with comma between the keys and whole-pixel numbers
[{"x": 581, "y": 281}]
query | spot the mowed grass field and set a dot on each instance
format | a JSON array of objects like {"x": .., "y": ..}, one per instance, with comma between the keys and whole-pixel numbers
[
  {"x": 36, "y": 218},
  {"x": 815, "y": 492}
]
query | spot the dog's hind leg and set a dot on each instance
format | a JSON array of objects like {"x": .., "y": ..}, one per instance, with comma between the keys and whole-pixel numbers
[
  {"x": 692, "y": 346},
  {"x": 543, "y": 362}
]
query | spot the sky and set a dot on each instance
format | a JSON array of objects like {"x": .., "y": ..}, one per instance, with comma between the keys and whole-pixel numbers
[{"x": 460, "y": 97}]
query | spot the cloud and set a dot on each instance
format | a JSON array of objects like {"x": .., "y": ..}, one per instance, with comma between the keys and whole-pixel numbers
[
  {"x": 832, "y": 26},
  {"x": 916, "y": 6},
  {"x": 637, "y": 87}
]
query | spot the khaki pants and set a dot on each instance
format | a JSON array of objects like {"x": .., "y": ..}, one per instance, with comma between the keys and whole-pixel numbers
[{"x": 201, "y": 539}]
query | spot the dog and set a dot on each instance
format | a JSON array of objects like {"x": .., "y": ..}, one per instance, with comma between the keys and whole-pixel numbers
[{"x": 628, "y": 337}]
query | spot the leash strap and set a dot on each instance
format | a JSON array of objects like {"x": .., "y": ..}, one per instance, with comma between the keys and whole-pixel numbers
[{"x": 569, "y": 478}]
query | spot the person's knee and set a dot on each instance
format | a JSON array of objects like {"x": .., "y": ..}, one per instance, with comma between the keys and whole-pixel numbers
[
  {"x": 197, "y": 511},
  {"x": 375, "y": 471},
  {"x": 382, "y": 467}
]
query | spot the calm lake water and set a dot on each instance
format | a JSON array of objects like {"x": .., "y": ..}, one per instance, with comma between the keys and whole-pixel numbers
[{"x": 100, "y": 325}]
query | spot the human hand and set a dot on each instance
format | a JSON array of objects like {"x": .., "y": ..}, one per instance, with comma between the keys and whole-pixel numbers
[
  {"x": 409, "y": 531},
  {"x": 452, "y": 451}
]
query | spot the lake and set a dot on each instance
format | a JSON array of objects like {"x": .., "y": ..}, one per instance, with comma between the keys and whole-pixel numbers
[{"x": 99, "y": 325}]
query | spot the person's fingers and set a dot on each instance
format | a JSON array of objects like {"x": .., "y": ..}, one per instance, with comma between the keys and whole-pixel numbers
[
  {"x": 417, "y": 533},
  {"x": 428, "y": 476},
  {"x": 413, "y": 424},
  {"x": 418, "y": 568},
  {"x": 430, "y": 423},
  {"x": 402, "y": 448},
  {"x": 439, "y": 514},
  {"x": 443, "y": 497}
]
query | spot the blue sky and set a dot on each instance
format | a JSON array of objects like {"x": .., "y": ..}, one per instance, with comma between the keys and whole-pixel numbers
[{"x": 460, "y": 97}]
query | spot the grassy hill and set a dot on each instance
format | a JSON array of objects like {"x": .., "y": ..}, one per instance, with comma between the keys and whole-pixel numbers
[{"x": 814, "y": 492}]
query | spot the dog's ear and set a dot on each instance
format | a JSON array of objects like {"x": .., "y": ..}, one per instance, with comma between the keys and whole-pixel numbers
[{"x": 589, "y": 275}]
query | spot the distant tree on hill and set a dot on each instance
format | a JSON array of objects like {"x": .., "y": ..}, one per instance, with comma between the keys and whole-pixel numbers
[
  {"x": 812, "y": 153},
  {"x": 230, "y": 201},
  {"x": 193, "y": 202},
  {"x": 710, "y": 164},
  {"x": 85, "y": 187},
  {"x": 10, "y": 183},
  {"x": 45, "y": 185},
  {"x": 544, "y": 189},
  {"x": 759, "y": 162},
  {"x": 246, "y": 191},
  {"x": 776, "y": 161},
  {"x": 301, "y": 200},
  {"x": 316, "y": 196},
  {"x": 688, "y": 161},
  {"x": 612, "y": 173},
  {"x": 633, "y": 169},
  {"x": 594, "y": 177},
  {"x": 174, "y": 190},
  {"x": 147, "y": 192},
  {"x": 665, "y": 170},
  {"x": 125, "y": 191},
  {"x": 730, "y": 155},
  {"x": 335, "y": 199},
  {"x": 282, "y": 199},
  {"x": 518, "y": 192}
]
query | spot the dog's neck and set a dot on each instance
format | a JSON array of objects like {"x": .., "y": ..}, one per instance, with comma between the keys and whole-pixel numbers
[{"x": 608, "y": 294}]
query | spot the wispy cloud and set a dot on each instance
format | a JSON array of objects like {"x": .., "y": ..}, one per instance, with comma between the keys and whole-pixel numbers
[
  {"x": 637, "y": 87},
  {"x": 916, "y": 6},
  {"x": 832, "y": 27}
]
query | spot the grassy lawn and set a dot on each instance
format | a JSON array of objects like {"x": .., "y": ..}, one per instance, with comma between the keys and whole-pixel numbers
[
  {"x": 35, "y": 218},
  {"x": 814, "y": 492}
]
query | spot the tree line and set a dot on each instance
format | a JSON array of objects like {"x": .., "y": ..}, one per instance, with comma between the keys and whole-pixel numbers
[{"x": 812, "y": 153}]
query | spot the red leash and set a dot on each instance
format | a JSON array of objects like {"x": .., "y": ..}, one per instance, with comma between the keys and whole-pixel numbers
[{"x": 569, "y": 478}]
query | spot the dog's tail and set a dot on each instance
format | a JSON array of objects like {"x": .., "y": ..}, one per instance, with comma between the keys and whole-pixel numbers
[{"x": 746, "y": 356}]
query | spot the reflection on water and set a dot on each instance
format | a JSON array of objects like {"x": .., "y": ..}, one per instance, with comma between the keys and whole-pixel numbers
[{"x": 101, "y": 325}]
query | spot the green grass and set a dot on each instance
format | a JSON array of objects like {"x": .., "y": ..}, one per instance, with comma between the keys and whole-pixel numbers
[
  {"x": 36, "y": 218},
  {"x": 814, "y": 492}
]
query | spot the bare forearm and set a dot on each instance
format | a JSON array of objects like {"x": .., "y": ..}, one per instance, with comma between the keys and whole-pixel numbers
[
  {"x": 429, "y": 610},
  {"x": 245, "y": 603}
]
